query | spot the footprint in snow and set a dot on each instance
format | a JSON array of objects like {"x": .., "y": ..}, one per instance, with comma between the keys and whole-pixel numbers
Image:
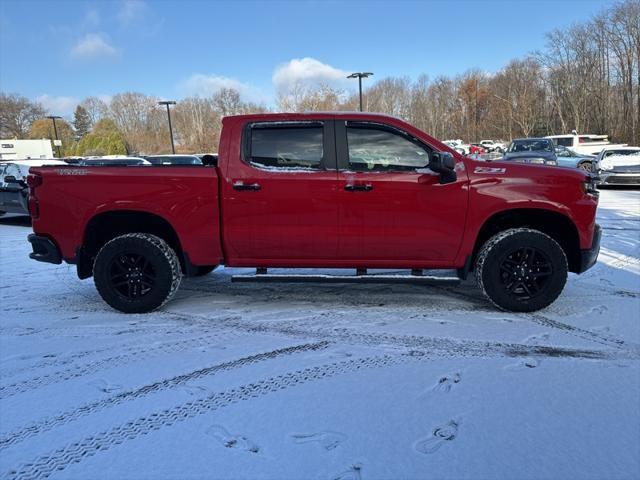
[
  {"x": 439, "y": 436},
  {"x": 523, "y": 364},
  {"x": 105, "y": 386},
  {"x": 327, "y": 440},
  {"x": 536, "y": 339},
  {"x": 229, "y": 440},
  {"x": 446, "y": 382},
  {"x": 353, "y": 473}
]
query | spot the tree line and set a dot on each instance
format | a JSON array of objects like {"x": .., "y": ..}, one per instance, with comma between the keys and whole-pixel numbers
[{"x": 587, "y": 78}]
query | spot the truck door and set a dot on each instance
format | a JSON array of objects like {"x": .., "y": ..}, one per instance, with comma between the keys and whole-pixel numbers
[
  {"x": 279, "y": 205},
  {"x": 393, "y": 211}
]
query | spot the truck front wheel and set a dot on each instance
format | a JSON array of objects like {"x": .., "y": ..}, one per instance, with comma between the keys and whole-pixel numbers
[
  {"x": 136, "y": 272},
  {"x": 521, "y": 269}
]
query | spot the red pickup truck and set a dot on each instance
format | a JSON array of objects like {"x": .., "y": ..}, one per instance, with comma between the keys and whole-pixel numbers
[{"x": 318, "y": 190}]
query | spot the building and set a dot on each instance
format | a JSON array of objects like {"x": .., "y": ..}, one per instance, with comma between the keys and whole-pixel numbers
[{"x": 24, "y": 149}]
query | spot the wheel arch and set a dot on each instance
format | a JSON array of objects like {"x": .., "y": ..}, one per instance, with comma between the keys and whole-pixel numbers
[
  {"x": 557, "y": 225},
  {"x": 105, "y": 226}
]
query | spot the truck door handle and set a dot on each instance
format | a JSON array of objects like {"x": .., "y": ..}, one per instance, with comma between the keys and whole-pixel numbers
[
  {"x": 246, "y": 186},
  {"x": 358, "y": 188}
]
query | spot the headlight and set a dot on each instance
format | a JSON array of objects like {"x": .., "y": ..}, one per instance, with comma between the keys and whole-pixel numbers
[
  {"x": 606, "y": 165},
  {"x": 536, "y": 160},
  {"x": 589, "y": 186}
]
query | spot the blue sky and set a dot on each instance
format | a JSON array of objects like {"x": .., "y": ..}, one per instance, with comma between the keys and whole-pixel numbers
[{"x": 61, "y": 51}]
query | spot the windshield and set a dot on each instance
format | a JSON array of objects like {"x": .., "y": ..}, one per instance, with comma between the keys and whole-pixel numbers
[
  {"x": 531, "y": 145},
  {"x": 621, "y": 152}
]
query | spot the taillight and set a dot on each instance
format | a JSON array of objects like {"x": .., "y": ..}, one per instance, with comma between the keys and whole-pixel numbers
[
  {"x": 34, "y": 207},
  {"x": 33, "y": 180}
]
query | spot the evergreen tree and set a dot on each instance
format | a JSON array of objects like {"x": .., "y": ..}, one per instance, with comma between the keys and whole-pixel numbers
[
  {"x": 105, "y": 139},
  {"x": 81, "y": 122}
]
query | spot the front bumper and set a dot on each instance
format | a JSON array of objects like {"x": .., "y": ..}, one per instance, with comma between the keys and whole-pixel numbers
[
  {"x": 44, "y": 250},
  {"x": 589, "y": 256},
  {"x": 619, "y": 178}
]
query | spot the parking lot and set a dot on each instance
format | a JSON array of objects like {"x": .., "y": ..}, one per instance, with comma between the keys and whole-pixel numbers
[{"x": 317, "y": 380}]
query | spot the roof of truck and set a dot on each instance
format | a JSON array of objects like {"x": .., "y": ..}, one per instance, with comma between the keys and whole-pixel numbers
[{"x": 294, "y": 115}]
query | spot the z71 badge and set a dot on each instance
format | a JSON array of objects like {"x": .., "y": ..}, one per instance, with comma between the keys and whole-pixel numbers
[{"x": 490, "y": 170}]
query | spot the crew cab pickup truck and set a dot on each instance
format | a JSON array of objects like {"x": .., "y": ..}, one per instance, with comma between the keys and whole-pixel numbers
[{"x": 318, "y": 190}]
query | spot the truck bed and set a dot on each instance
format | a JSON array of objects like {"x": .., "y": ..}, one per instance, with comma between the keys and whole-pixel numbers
[{"x": 186, "y": 197}]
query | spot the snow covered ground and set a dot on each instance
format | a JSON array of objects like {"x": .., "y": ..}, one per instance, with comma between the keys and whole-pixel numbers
[{"x": 322, "y": 381}]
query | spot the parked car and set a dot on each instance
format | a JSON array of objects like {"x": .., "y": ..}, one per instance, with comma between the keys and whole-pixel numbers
[
  {"x": 492, "y": 146},
  {"x": 568, "y": 158},
  {"x": 113, "y": 161},
  {"x": 583, "y": 144},
  {"x": 458, "y": 145},
  {"x": 476, "y": 149},
  {"x": 173, "y": 159},
  {"x": 13, "y": 184},
  {"x": 619, "y": 166},
  {"x": 532, "y": 150},
  {"x": 320, "y": 190}
]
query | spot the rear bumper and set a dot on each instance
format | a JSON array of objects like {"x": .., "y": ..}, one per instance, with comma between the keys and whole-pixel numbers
[
  {"x": 44, "y": 250},
  {"x": 589, "y": 256},
  {"x": 13, "y": 202}
]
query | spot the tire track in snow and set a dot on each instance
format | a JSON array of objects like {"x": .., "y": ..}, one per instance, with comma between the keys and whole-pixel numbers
[
  {"x": 73, "y": 453},
  {"x": 443, "y": 347},
  {"x": 601, "y": 338},
  {"x": 48, "y": 423},
  {"x": 92, "y": 367},
  {"x": 131, "y": 345}
]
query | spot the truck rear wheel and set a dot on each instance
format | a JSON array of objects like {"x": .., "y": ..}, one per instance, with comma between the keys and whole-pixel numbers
[
  {"x": 136, "y": 272},
  {"x": 521, "y": 270}
]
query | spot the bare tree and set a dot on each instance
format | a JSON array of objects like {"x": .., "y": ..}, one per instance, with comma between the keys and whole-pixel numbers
[
  {"x": 96, "y": 108},
  {"x": 17, "y": 113}
]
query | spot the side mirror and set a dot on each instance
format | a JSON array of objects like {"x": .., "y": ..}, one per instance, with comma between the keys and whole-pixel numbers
[
  {"x": 14, "y": 180},
  {"x": 444, "y": 164},
  {"x": 13, "y": 184}
]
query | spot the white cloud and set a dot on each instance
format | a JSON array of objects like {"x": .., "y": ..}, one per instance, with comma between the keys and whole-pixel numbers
[
  {"x": 307, "y": 71},
  {"x": 93, "y": 45},
  {"x": 92, "y": 18},
  {"x": 130, "y": 11},
  {"x": 202, "y": 85},
  {"x": 58, "y": 105}
]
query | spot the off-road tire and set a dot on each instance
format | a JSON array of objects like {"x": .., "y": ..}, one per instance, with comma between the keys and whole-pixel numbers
[
  {"x": 494, "y": 280},
  {"x": 161, "y": 263}
]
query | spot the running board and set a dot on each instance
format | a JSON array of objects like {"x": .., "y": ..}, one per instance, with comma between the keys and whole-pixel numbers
[{"x": 411, "y": 279}]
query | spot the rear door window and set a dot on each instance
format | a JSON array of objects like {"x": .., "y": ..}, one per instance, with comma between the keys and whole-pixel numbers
[{"x": 289, "y": 146}]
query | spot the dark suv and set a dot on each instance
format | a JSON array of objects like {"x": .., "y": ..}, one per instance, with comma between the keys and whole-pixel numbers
[{"x": 532, "y": 150}]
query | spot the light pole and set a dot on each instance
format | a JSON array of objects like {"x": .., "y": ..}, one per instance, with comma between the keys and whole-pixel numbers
[
  {"x": 55, "y": 131},
  {"x": 167, "y": 103},
  {"x": 360, "y": 76}
]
